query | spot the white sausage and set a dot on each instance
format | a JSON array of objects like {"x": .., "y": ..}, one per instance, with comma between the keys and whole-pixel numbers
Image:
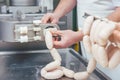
[
  {"x": 92, "y": 32},
  {"x": 56, "y": 74},
  {"x": 43, "y": 72},
  {"x": 68, "y": 73},
  {"x": 115, "y": 59},
  {"x": 105, "y": 19},
  {"x": 52, "y": 66},
  {"x": 94, "y": 51},
  {"x": 48, "y": 39},
  {"x": 51, "y": 70},
  {"x": 106, "y": 32},
  {"x": 87, "y": 25},
  {"x": 102, "y": 56},
  {"x": 99, "y": 40},
  {"x": 91, "y": 65},
  {"x": 55, "y": 54},
  {"x": 87, "y": 44},
  {"x": 97, "y": 31},
  {"x": 81, "y": 75}
]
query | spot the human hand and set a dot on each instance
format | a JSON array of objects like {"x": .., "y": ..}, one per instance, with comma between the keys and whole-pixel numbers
[
  {"x": 68, "y": 37},
  {"x": 50, "y": 18},
  {"x": 115, "y": 37}
]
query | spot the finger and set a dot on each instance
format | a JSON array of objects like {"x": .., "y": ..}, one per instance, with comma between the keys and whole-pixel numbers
[
  {"x": 56, "y": 35},
  {"x": 115, "y": 37},
  {"x": 46, "y": 18},
  {"x": 93, "y": 29},
  {"x": 98, "y": 28},
  {"x": 87, "y": 25},
  {"x": 118, "y": 26},
  {"x": 58, "y": 32},
  {"x": 116, "y": 34},
  {"x": 111, "y": 38},
  {"x": 58, "y": 44},
  {"x": 43, "y": 19}
]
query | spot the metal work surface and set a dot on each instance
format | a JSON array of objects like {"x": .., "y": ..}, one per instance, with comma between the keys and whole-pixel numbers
[{"x": 27, "y": 65}]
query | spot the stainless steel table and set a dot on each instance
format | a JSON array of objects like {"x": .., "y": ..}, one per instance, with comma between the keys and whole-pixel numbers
[{"x": 26, "y": 65}]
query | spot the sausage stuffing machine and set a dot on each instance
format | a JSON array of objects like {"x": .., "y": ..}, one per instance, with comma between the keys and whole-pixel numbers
[{"x": 22, "y": 43}]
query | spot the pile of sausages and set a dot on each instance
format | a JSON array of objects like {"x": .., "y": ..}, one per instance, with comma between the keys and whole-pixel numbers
[{"x": 96, "y": 41}]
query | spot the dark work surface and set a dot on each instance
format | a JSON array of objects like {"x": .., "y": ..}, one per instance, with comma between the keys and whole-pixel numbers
[
  {"x": 27, "y": 65},
  {"x": 9, "y": 46}
]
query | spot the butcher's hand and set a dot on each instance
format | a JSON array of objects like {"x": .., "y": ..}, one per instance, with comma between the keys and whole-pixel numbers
[
  {"x": 50, "y": 18},
  {"x": 68, "y": 38}
]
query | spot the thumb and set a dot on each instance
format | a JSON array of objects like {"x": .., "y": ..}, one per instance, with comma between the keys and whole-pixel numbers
[
  {"x": 57, "y": 44},
  {"x": 57, "y": 32}
]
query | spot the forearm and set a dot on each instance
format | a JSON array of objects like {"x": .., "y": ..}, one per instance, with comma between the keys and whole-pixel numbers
[
  {"x": 115, "y": 16},
  {"x": 64, "y": 7}
]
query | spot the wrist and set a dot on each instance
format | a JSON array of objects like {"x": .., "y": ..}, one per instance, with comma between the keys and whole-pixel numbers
[
  {"x": 79, "y": 35},
  {"x": 56, "y": 15}
]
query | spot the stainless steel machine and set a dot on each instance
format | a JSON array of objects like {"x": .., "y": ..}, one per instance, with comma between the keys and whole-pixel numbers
[
  {"x": 23, "y": 14},
  {"x": 25, "y": 6},
  {"x": 22, "y": 43}
]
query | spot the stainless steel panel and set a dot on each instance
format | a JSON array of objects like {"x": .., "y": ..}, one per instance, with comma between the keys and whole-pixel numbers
[{"x": 24, "y": 9}]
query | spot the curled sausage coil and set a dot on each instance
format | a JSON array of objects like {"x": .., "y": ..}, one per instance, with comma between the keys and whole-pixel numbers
[{"x": 54, "y": 70}]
